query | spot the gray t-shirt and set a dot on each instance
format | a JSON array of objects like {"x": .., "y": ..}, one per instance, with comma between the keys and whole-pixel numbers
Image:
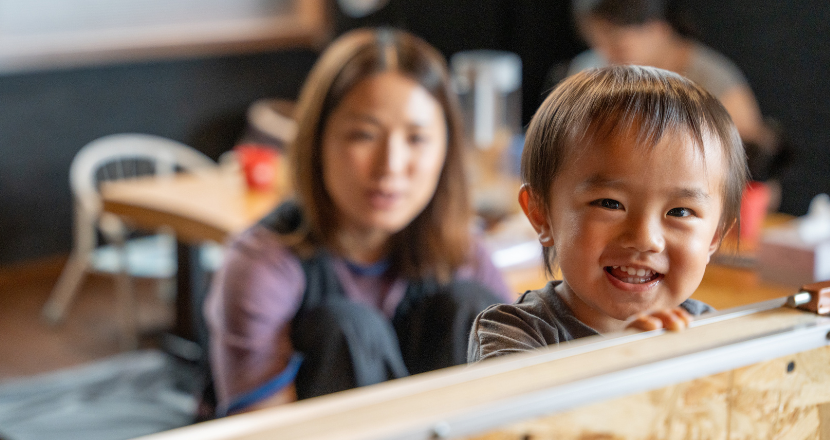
[
  {"x": 537, "y": 319},
  {"x": 710, "y": 69}
]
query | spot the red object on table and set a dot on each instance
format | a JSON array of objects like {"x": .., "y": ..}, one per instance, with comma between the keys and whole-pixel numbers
[
  {"x": 259, "y": 164},
  {"x": 754, "y": 205}
]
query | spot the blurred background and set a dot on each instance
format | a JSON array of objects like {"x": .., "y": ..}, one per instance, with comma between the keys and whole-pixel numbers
[
  {"x": 72, "y": 71},
  {"x": 199, "y": 97}
]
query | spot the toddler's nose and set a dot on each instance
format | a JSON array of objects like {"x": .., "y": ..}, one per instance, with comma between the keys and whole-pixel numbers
[{"x": 644, "y": 234}]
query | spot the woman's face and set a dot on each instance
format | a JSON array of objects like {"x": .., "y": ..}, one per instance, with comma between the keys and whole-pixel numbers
[{"x": 383, "y": 151}]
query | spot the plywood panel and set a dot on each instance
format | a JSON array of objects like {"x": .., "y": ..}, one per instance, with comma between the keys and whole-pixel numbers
[
  {"x": 518, "y": 397},
  {"x": 780, "y": 399},
  {"x": 786, "y": 398},
  {"x": 692, "y": 410}
]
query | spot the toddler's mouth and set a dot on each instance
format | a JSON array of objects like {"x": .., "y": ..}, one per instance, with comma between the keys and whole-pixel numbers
[{"x": 632, "y": 275}]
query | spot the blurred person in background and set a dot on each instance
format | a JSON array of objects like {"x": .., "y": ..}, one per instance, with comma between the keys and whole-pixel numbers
[{"x": 660, "y": 33}]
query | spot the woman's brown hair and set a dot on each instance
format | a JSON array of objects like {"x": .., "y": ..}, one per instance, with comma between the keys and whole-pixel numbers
[
  {"x": 597, "y": 104},
  {"x": 437, "y": 241}
]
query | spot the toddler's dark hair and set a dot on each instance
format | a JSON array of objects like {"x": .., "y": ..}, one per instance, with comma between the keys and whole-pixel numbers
[{"x": 598, "y": 104}]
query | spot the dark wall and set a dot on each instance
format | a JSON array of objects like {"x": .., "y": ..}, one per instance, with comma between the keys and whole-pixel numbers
[
  {"x": 783, "y": 47},
  {"x": 539, "y": 31},
  {"x": 45, "y": 118}
]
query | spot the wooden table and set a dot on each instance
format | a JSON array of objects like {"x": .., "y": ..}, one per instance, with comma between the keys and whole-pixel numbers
[
  {"x": 208, "y": 205},
  {"x": 215, "y": 205}
]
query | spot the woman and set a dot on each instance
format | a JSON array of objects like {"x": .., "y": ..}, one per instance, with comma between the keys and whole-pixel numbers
[
  {"x": 653, "y": 33},
  {"x": 371, "y": 273}
]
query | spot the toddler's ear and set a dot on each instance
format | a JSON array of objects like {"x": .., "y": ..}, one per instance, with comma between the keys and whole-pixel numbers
[
  {"x": 536, "y": 214},
  {"x": 717, "y": 239}
]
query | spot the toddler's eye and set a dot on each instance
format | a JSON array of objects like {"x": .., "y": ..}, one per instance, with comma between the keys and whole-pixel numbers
[
  {"x": 607, "y": 203},
  {"x": 680, "y": 212}
]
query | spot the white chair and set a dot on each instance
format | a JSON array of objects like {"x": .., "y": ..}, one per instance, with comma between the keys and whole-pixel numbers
[{"x": 116, "y": 157}]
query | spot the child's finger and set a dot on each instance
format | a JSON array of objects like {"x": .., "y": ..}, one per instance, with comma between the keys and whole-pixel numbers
[
  {"x": 645, "y": 323},
  {"x": 684, "y": 315},
  {"x": 673, "y": 319}
]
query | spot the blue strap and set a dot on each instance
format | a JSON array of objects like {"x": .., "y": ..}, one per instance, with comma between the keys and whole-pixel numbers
[
  {"x": 267, "y": 389},
  {"x": 370, "y": 270}
]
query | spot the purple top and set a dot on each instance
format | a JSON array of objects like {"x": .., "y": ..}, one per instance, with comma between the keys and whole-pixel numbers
[{"x": 259, "y": 289}]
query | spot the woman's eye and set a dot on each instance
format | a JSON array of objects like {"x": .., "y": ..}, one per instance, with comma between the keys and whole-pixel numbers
[
  {"x": 680, "y": 212},
  {"x": 607, "y": 204},
  {"x": 418, "y": 138},
  {"x": 360, "y": 135}
]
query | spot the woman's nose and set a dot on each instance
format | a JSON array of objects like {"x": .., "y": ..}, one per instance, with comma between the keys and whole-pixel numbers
[
  {"x": 393, "y": 155},
  {"x": 644, "y": 234}
]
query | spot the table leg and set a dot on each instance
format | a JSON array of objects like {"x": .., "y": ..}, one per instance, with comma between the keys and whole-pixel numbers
[
  {"x": 183, "y": 326},
  {"x": 188, "y": 338}
]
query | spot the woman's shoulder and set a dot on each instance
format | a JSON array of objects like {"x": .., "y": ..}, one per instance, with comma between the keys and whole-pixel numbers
[
  {"x": 261, "y": 249},
  {"x": 259, "y": 244},
  {"x": 259, "y": 271}
]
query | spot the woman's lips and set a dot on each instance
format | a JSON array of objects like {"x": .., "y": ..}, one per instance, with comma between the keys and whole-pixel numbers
[{"x": 383, "y": 199}]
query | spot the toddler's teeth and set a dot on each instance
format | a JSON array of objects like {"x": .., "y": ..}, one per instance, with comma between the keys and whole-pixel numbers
[{"x": 641, "y": 272}]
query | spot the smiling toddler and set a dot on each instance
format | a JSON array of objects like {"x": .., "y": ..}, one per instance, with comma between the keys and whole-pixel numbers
[{"x": 632, "y": 176}]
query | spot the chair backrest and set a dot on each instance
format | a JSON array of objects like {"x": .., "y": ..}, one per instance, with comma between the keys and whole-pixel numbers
[{"x": 124, "y": 156}]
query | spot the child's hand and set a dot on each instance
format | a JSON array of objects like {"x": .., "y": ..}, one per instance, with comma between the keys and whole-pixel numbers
[{"x": 675, "y": 319}]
